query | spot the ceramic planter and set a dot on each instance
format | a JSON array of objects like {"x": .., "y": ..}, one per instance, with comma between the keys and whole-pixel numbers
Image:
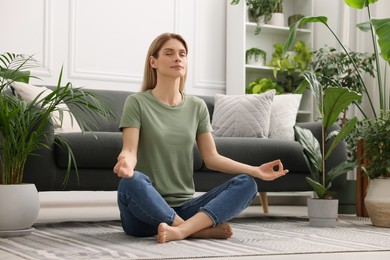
[
  {"x": 377, "y": 202},
  {"x": 19, "y": 208},
  {"x": 322, "y": 212},
  {"x": 277, "y": 19}
]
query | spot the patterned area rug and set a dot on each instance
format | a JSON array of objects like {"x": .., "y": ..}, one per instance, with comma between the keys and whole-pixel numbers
[{"x": 252, "y": 237}]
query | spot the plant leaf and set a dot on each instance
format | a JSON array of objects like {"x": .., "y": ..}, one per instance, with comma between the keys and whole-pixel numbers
[
  {"x": 336, "y": 100},
  {"x": 382, "y": 28},
  {"x": 338, "y": 170},
  {"x": 311, "y": 150},
  {"x": 359, "y": 4},
  {"x": 293, "y": 29},
  {"x": 347, "y": 128},
  {"x": 318, "y": 188}
]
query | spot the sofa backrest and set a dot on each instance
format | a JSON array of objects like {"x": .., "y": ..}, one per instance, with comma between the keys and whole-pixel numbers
[{"x": 115, "y": 100}]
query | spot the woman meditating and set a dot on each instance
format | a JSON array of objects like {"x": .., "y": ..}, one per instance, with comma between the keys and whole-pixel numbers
[{"x": 160, "y": 126}]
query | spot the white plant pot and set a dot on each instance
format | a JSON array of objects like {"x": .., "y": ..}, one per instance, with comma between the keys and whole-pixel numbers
[
  {"x": 277, "y": 19},
  {"x": 322, "y": 212},
  {"x": 256, "y": 60},
  {"x": 377, "y": 202},
  {"x": 19, "y": 207}
]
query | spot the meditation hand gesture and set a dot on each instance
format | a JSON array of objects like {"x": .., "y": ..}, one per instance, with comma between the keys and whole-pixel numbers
[
  {"x": 123, "y": 168},
  {"x": 271, "y": 170}
]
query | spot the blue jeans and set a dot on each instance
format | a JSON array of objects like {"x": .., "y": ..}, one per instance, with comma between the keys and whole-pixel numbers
[{"x": 142, "y": 208}]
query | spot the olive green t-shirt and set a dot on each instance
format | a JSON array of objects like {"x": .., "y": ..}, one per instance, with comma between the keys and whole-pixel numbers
[{"x": 166, "y": 141}]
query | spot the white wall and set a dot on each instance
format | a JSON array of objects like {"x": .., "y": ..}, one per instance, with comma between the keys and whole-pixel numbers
[{"x": 103, "y": 43}]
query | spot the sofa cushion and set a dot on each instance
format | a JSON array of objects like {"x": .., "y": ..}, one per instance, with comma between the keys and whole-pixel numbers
[
  {"x": 242, "y": 115},
  {"x": 256, "y": 151},
  {"x": 29, "y": 92},
  {"x": 283, "y": 116},
  {"x": 97, "y": 150}
]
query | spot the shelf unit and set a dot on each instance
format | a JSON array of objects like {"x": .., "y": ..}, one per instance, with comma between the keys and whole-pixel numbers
[{"x": 241, "y": 36}]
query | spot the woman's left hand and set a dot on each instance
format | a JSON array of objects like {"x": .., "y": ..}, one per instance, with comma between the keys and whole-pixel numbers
[{"x": 271, "y": 170}]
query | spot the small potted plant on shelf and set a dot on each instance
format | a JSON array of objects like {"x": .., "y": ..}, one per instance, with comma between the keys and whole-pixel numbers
[
  {"x": 259, "y": 11},
  {"x": 25, "y": 128},
  {"x": 379, "y": 30},
  {"x": 277, "y": 17},
  {"x": 255, "y": 56}
]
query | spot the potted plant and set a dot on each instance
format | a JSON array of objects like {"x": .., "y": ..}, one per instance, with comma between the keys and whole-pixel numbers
[
  {"x": 277, "y": 17},
  {"x": 330, "y": 102},
  {"x": 379, "y": 30},
  {"x": 259, "y": 11},
  {"x": 25, "y": 128},
  {"x": 294, "y": 62},
  {"x": 377, "y": 167},
  {"x": 255, "y": 56}
]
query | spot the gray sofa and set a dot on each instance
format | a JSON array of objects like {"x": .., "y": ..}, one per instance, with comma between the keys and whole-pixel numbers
[{"x": 96, "y": 154}]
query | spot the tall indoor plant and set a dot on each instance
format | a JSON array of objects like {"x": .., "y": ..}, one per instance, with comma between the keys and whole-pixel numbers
[
  {"x": 25, "y": 128},
  {"x": 379, "y": 30},
  {"x": 331, "y": 102}
]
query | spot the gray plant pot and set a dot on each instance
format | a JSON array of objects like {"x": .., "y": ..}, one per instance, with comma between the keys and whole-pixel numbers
[{"x": 322, "y": 212}]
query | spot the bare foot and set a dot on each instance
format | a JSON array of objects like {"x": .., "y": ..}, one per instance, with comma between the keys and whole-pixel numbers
[
  {"x": 221, "y": 231},
  {"x": 167, "y": 233}
]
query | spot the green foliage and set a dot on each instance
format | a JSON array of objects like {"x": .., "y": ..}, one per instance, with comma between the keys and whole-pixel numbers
[
  {"x": 376, "y": 139},
  {"x": 379, "y": 30},
  {"x": 293, "y": 64},
  {"x": 262, "y": 85},
  {"x": 335, "y": 68},
  {"x": 25, "y": 127},
  {"x": 259, "y": 8},
  {"x": 330, "y": 101},
  {"x": 299, "y": 59},
  {"x": 255, "y": 52}
]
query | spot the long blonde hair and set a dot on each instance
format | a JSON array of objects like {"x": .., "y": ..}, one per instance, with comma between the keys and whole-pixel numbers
[{"x": 150, "y": 74}]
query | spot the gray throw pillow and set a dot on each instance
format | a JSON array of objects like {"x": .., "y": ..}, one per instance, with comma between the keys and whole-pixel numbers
[{"x": 242, "y": 115}]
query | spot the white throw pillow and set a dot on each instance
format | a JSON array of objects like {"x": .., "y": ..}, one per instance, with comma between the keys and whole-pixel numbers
[
  {"x": 242, "y": 115},
  {"x": 29, "y": 92},
  {"x": 283, "y": 116}
]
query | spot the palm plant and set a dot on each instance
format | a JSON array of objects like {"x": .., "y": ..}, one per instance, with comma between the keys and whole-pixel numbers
[{"x": 25, "y": 127}]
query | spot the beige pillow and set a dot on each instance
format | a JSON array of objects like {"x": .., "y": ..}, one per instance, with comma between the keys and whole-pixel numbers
[
  {"x": 242, "y": 115},
  {"x": 283, "y": 116},
  {"x": 29, "y": 92}
]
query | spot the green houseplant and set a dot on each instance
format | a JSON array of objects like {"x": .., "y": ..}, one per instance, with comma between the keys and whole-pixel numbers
[
  {"x": 331, "y": 102},
  {"x": 255, "y": 56},
  {"x": 379, "y": 30},
  {"x": 261, "y": 11},
  {"x": 25, "y": 128},
  {"x": 293, "y": 63}
]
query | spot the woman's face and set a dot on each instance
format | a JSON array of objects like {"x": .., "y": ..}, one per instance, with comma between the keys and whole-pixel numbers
[{"x": 172, "y": 59}]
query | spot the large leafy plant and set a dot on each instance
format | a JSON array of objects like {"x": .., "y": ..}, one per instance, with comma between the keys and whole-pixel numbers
[
  {"x": 380, "y": 33},
  {"x": 26, "y": 127},
  {"x": 331, "y": 102}
]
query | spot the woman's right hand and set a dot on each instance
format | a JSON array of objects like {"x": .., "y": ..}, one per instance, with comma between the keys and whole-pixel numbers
[{"x": 123, "y": 167}]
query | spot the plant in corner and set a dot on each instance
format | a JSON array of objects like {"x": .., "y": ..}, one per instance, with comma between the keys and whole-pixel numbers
[
  {"x": 25, "y": 127},
  {"x": 379, "y": 30}
]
